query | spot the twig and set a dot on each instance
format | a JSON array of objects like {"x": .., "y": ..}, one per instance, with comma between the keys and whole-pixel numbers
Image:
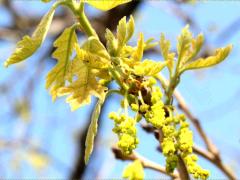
[
  {"x": 211, "y": 157},
  {"x": 183, "y": 106},
  {"x": 182, "y": 169},
  {"x": 145, "y": 162},
  {"x": 210, "y": 146}
]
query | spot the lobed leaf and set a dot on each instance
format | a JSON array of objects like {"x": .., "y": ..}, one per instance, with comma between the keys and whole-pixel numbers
[
  {"x": 129, "y": 50},
  {"x": 92, "y": 130},
  {"x": 188, "y": 47},
  {"x": 91, "y": 59},
  {"x": 165, "y": 51},
  {"x": 184, "y": 43},
  {"x": 62, "y": 71},
  {"x": 111, "y": 42},
  {"x": 130, "y": 28},
  {"x": 94, "y": 53},
  {"x": 149, "y": 68},
  {"x": 196, "y": 47},
  {"x": 122, "y": 32},
  {"x": 94, "y": 46},
  {"x": 138, "y": 53},
  {"x": 28, "y": 45},
  {"x": 219, "y": 56},
  {"x": 150, "y": 44},
  {"x": 105, "y": 5},
  {"x": 164, "y": 46},
  {"x": 125, "y": 31},
  {"x": 80, "y": 90}
]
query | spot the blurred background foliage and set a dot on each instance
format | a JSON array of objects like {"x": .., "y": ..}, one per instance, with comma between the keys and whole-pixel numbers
[{"x": 39, "y": 138}]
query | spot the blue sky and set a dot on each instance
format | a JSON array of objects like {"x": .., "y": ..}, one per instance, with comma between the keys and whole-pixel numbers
[{"x": 212, "y": 95}]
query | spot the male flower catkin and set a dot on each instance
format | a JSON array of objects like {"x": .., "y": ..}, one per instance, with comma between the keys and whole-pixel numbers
[
  {"x": 185, "y": 143},
  {"x": 177, "y": 138},
  {"x": 125, "y": 128},
  {"x": 134, "y": 171},
  {"x": 156, "y": 114}
]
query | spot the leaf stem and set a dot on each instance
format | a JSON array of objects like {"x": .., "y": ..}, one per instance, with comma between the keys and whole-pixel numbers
[
  {"x": 140, "y": 97},
  {"x": 116, "y": 76},
  {"x": 170, "y": 89},
  {"x": 174, "y": 81},
  {"x": 78, "y": 10},
  {"x": 145, "y": 162},
  {"x": 126, "y": 103},
  {"x": 110, "y": 92},
  {"x": 58, "y": 3}
]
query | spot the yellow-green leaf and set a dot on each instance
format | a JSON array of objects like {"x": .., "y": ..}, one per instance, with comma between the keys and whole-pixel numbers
[
  {"x": 92, "y": 130},
  {"x": 184, "y": 43},
  {"x": 130, "y": 28},
  {"x": 164, "y": 46},
  {"x": 165, "y": 51},
  {"x": 138, "y": 53},
  {"x": 111, "y": 42},
  {"x": 125, "y": 31},
  {"x": 150, "y": 44},
  {"x": 92, "y": 60},
  {"x": 28, "y": 45},
  {"x": 196, "y": 46},
  {"x": 80, "y": 90},
  {"x": 94, "y": 46},
  {"x": 93, "y": 53},
  {"x": 149, "y": 67},
  {"x": 127, "y": 51},
  {"x": 64, "y": 47},
  {"x": 134, "y": 171},
  {"x": 219, "y": 56},
  {"x": 122, "y": 32},
  {"x": 105, "y": 5}
]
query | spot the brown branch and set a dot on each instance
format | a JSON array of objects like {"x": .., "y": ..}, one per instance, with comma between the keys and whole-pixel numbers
[
  {"x": 210, "y": 157},
  {"x": 182, "y": 169},
  {"x": 210, "y": 146},
  {"x": 145, "y": 162},
  {"x": 183, "y": 106},
  {"x": 217, "y": 162}
]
